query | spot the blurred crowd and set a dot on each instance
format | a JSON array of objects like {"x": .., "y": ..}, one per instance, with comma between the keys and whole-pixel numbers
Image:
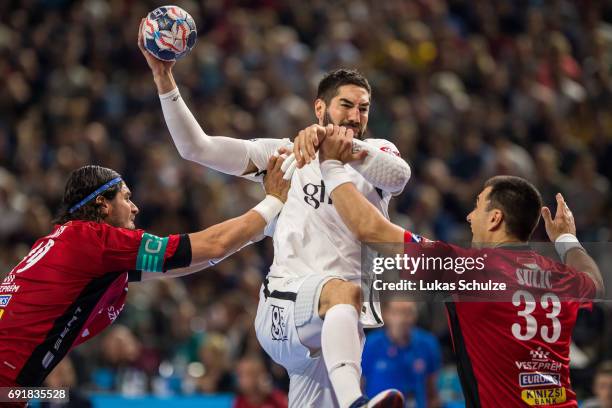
[{"x": 466, "y": 89}]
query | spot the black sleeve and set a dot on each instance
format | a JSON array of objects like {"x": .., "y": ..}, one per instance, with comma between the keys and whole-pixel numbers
[{"x": 182, "y": 256}]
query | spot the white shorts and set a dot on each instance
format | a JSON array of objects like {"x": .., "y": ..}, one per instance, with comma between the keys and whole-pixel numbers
[{"x": 288, "y": 306}]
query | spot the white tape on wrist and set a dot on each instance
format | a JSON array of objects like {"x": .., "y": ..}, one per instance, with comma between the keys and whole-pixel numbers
[
  {"x": 269, "y": 208},
  {"x": 334, "y": 174},
  {"x": 564, "y": 243}
]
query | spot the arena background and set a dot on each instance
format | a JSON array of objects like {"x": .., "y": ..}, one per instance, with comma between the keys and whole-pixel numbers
[{"x": 465, "y": 89}]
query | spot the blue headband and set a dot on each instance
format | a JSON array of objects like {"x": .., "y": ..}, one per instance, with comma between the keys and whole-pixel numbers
[{"x": 96, "y": 193}]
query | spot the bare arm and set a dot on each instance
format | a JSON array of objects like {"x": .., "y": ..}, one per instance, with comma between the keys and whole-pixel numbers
[
  {"x": 359, "y": 215},
  {"x": 576, "y": 257},
  {"x": 221, "y": 240},
  {"x": 362, "y": 218}
]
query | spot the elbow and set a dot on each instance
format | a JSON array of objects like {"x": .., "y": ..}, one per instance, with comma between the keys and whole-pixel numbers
[
  {"x": 402, "y": 174},
  {"x": 214, "y": 249},
  {"x": 219, "y": 250},
  {"x": 188, "y": 153}
]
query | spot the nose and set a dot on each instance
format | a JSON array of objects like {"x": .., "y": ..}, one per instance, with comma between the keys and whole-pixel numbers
[
  {"x": 354, "y": 115},
  {"x": 469, "y": 217},
  {"x": 135, "y": 209}
]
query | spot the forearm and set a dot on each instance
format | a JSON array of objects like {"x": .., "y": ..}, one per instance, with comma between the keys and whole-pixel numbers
[
  {"x": 384, "y": 170},
  {"x": 581, "y": 261},
  {"x": 220, "y": 153},
  {"x": 221, "y": 240},
  {"x": 359, "y": 215}
]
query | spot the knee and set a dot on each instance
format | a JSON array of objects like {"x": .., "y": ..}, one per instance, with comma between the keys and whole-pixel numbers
[{"x": 338, "y": 292}]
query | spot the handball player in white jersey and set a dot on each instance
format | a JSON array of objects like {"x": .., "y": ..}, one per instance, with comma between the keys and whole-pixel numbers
[{"x": 312, "y": 310}]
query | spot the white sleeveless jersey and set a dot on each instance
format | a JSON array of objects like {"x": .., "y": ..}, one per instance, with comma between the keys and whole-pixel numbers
[{"x": 310, "y": 236}]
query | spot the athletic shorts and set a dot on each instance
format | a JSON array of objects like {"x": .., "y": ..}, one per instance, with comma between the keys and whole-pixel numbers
[{"x": 288, "y": 306}]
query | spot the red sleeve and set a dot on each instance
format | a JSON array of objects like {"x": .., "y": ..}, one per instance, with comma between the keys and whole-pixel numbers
[{"x": 125, "y": 249}]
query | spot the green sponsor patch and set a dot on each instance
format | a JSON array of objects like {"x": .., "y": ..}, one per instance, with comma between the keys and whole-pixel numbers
[{"x": 151, "y": 253}]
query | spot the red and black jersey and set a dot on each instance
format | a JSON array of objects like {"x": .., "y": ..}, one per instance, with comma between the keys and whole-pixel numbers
[
  {"x": 515, "y": 352},
  {"x": 71, "y": 286}
]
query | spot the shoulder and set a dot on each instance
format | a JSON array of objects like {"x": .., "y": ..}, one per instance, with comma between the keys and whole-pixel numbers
[
  {"x": 107, "y": 234},
  {"x": 384, "y": 145}
]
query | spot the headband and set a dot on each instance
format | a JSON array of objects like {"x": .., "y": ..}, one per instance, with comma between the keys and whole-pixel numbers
[{"x": 96, "y": 193}]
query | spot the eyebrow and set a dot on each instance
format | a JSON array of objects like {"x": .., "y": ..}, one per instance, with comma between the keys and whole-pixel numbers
[{"x": 344, "y": 100}]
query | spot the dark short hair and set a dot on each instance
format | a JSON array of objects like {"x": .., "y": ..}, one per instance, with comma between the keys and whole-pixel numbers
[
  {"x": 519, "y": 201},
  {"x": 328, "y": 87},
  {"x": 80, "y": 184}
]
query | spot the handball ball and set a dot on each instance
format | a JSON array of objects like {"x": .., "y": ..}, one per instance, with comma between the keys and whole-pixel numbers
[{"x": 169, "y": 33}]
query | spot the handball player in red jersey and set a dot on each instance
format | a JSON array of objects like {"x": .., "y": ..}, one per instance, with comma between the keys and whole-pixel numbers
[
  {"x": 511, "y": 353},
  {"x": 74, "y": 281}
]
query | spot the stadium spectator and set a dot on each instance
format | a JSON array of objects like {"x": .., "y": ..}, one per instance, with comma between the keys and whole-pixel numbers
[
  {"x": 403, "y": 356},
  {"x": 602, "y": 387},
  {"x": 255, "y": 389}
]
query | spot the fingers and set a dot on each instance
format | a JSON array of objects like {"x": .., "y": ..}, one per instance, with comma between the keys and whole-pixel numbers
[
  {"x": 283, "y": 150},
  {"x": 278, "y": 164},
  {"x": 140, "y": 36},
  {"x": 563, "y": 204},
  {"x": 359, "y": 155},
  {"x": 309, "y": 143},
  {"x": 272, "y": 163},
  {"x": 321, "y": 134},
  {"x": 546, "y": 215},
  {"x": 290, "y": 168},
  {"x": 560, "y": 205},
  {"x": 297, "y": 150}
]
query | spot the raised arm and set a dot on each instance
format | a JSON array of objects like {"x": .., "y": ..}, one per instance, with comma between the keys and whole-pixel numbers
[
  {"x": 562, "y": 231},
  {"x": 227, "y": 155}
]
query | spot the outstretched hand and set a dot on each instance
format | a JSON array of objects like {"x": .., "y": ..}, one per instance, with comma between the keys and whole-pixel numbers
[{"x": 563, "y": 223}]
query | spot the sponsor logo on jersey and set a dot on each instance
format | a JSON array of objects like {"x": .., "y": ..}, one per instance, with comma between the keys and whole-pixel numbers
[
  {"x": 539, "y": 354},
  {"x": 12, "y": 288},
  {"x": 4, "y": 300},
  {"x": 315, "y": 194},
  {"x": 390, "y": 150},
  {"x": 539, "y": 362},
  {"x": 9, "y": 279},
  {"x": 545, "y": 396},
  {"x": 538, "y": 379},
  {"x": 279, "y": 326}
]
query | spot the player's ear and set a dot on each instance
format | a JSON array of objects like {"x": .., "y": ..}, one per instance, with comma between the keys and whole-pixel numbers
[
  {"x": 496, "y": 218},
  {"x": 320, "y": 107},
  {"x": 104, "y": 205}
]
